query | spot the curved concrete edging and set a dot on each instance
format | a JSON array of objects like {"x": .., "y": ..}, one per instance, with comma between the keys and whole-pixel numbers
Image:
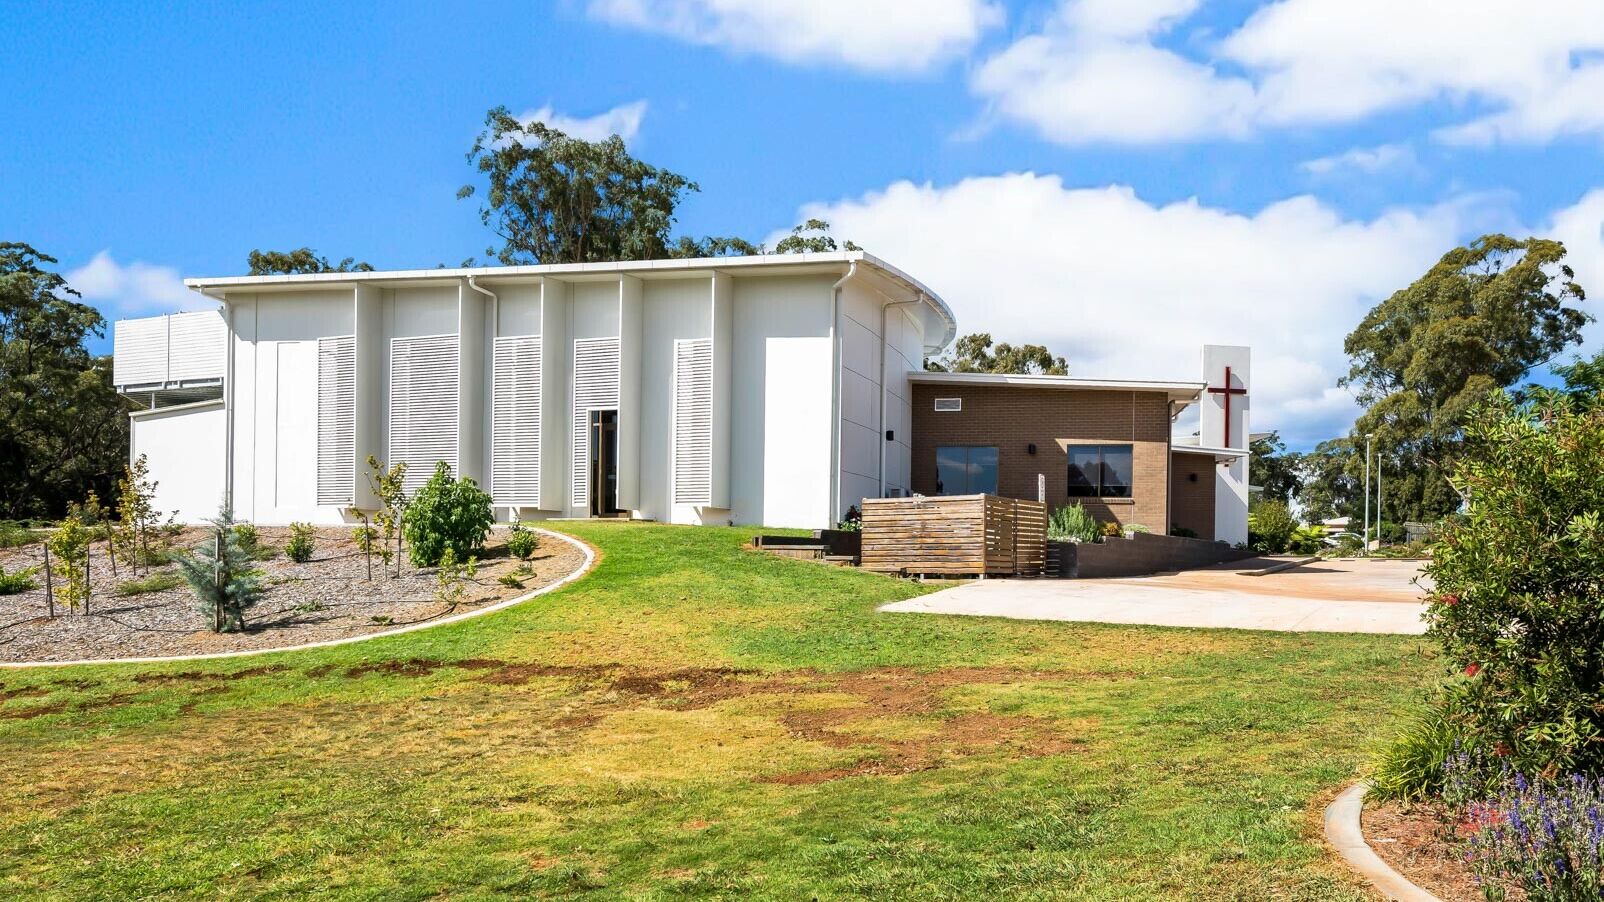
[
  {"x": 1344, "y": 833},
  {"x": 589, "y": 563}
]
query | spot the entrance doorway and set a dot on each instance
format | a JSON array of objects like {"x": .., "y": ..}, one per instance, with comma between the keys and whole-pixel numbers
[{"x": 604, "y": 463}]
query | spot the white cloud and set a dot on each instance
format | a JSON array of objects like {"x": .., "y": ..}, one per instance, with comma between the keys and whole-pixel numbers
[
  {"x": 1126, "y": 288},
  {"x": 623, "y": 120},
  {"x": 135, "y": 289},
  {"x": 1097, "y": 70},
  {"x": 885, "y": 36},
  {"x": 1581, "y": 228},
  {"x": 1366, "y": 160}
]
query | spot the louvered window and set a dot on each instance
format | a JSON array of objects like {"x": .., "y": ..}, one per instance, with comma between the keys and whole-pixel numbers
[
  {"x": 336, "y": 420},
  {"x": 693, "y": 421},
  {"x": 515, "y": 421},
  {"x": 423, "y": 405},
  {"x": 595, "y": 388}
]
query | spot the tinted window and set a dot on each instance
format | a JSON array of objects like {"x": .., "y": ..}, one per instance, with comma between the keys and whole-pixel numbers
[
  {"x": 1100, "y": 471},
  {"x": 963, "y": 470}
]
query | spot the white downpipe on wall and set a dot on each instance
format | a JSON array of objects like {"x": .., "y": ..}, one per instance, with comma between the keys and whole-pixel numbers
[
  {"x": 835, "y": 394},
  {"x": 884, "y": 341},
  {"x": 495, "y": 329}
]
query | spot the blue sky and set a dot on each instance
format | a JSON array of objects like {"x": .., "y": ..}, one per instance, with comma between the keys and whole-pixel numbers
[{"x": 1119, "y": 179}]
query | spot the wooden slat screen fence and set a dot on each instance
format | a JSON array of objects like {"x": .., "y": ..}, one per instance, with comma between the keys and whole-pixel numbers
[{"x": 955, "y": 535}]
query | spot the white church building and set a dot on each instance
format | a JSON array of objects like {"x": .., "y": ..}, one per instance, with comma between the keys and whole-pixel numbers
[{"x": 776, "y": 390}]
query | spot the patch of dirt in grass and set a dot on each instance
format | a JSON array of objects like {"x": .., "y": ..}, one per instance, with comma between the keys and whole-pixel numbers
[
  {"x": 64, "y": 706},
  {"x": 1414, "y": 840},
  {"x": 416, "y": 667},
  {"x": 198, "y": 676}
]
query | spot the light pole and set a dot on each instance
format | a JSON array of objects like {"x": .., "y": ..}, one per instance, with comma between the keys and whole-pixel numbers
[
  {"x": 1380, "y": 517},
  {"x": 1364, "y": 537}
]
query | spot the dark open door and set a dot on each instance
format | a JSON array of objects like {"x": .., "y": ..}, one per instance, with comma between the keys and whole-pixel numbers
[{"x": 604, "y": 463}]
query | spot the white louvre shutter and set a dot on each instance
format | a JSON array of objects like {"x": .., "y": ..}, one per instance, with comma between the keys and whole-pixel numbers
[
  {"x": 423, "y": 405},
  {"x": 515, "y": 422},
  {"x": 595, "y": 388},
  {"x": 197, "y": 344},
  {"x": 336, "y": 420},
  {"x": 693, "y": 421}
]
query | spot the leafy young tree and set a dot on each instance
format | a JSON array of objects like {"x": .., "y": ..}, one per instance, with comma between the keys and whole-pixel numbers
[
  {"x": 69, "y": 549},
  {"x": 300, "y": 261},
  {"x": 973, "y": 353},
  {"x": 136, "y": 513},
  {"x": 1479, "y": 320},
  {"x": 553, "y": 198},
  {"x": 389, "y": 485},
  {"x": 66, "y": 429},
  {"x": 447, "y": 514},
  {"x": 1273, "y": 469},
  {"x": 220, "y": 574}
]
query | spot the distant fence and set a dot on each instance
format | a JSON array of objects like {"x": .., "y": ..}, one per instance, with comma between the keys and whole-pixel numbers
[{"x": 955, "y": 535}]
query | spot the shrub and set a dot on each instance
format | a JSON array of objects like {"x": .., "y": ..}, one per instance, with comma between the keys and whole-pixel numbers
[
  {"x": 1270, "y": 527},
  {"x": 1072, "y": 523},
  {"x": 1111, "y": 530},
  {"x": 155, "y": 582},
  {"x": 852, "y": 522},
  {"x": 510, "y": 580},
  {"x": 522, "y": 541},
  {"x": 1307, "y": 540},
  {"x": 1516, "y": 603},
  {"x": 17, "y": 581},
  {"x": 14, "y": 534},
  {"x": 69, "y": 551},
  {"x": 1545, "y": 836},
  {"x": 452, "y": 576},
  {"x": 447, "y": 514},
  {"x": 251, "y": 542},
  {"x": 303, "y": 539},
  {"x": 219, "y": 572},
  {"x": 1183, "y": 532},
  {"x": 1410, "y": 768}
]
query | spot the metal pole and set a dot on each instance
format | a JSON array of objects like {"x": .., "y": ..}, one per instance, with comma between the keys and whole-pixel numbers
[
  {"x": 50, "y": 594},
  {"x": 1380, "y": 517},
  {"x": 1364, "y": 537}
]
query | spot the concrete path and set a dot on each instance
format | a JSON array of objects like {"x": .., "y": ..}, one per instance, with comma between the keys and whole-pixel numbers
[{"x": 1213, "y": 598}]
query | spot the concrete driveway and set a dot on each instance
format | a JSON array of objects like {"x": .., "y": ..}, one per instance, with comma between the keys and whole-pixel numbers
[{"x": 1349, "y": 596}]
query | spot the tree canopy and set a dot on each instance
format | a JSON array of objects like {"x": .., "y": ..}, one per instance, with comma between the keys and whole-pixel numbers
[
  {"x": 1272, "y": 469},
  {"x": 1475, "y": 323},
  {"x": 66, "y": 429},
  {"x": 974, "y": 353},
  {"x": 299, "y": 261}
]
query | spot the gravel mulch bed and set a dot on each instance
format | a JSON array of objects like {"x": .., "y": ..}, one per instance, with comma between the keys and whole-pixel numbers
[
  {"x": 328, "y": 597},
  {"x": 1415, "y": 841}
]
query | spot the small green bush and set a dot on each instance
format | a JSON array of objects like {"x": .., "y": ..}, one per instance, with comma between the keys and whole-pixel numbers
[
  {"x": 1072, "y": 523},
  {"x": 1410, "y": 768},
  {"x": 522, "y": 541},
  {"x": 17, "y": 580},
  {"x": 220, "y": 574},
  {"x": 1112, "y": 530},
  {"x": 155, "y": 582},
  {"x": 510, "y": 580},
  {"x": 1270, "y": 527},
  {"x": 1183, "y": 532},
  {"x": 303, "y": 539},
  {"x": 250, "y": 542},
  {"x": 14, "y": 534},
  {"x": 1307, "y": 540},
  {"x": 447, "y": 514}
]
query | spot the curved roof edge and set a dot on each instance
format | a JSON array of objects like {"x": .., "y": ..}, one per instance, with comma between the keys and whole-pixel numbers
[{"x": 938, "y": 309}]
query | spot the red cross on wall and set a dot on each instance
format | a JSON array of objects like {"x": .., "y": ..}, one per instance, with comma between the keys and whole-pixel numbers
[{"x": 1227, "y": 391}]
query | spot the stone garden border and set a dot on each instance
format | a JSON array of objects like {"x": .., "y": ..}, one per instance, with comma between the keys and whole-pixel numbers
[
  {"x": 584, "y": 568},
  {"x": 1344, "y": 833}
]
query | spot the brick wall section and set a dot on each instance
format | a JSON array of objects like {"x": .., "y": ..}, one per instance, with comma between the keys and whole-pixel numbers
[
  {"x": 1011, "y": 418},
  {"x": 1192, "y": 502}
]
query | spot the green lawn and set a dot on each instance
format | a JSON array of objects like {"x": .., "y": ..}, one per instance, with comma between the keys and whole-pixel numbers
[{"x": 698, "y": 719}]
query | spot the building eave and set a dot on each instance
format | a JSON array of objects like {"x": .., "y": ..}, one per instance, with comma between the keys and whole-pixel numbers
[
  {"x": 1178, "y": 392},
  {"x": 938, "y": 314}
]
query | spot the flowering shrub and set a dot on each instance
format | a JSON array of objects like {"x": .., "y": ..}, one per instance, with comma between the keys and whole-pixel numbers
[
  {"x": 1517, "y": 605},
  {"x": 1543, "y": 836}
]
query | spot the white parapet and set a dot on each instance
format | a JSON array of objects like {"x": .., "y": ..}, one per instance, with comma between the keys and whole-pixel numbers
[{"x": 172, "y": 351}]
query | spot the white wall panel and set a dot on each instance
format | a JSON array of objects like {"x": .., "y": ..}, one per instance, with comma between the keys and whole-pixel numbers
[
  {"x": 693, "y": 421},
  {"x": 423, "y": 405},
  {"x": 516, "y": 414},
  {"x": 336, "y": 420},
  {"x": 184, "y": 447}
]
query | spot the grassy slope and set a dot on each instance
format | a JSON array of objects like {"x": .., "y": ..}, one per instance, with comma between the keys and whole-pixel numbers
[{"x": 1126, "y": 762}]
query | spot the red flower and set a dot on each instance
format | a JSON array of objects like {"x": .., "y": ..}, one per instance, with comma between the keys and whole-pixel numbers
[
  {"x": 1450, "y": 600},
  {"x": 1472, "y": 669},
  {"x": 1501, "y": 750}
]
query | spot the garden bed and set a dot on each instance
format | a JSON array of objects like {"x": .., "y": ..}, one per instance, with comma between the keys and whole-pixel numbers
[{"x": 326, "y": 598}]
